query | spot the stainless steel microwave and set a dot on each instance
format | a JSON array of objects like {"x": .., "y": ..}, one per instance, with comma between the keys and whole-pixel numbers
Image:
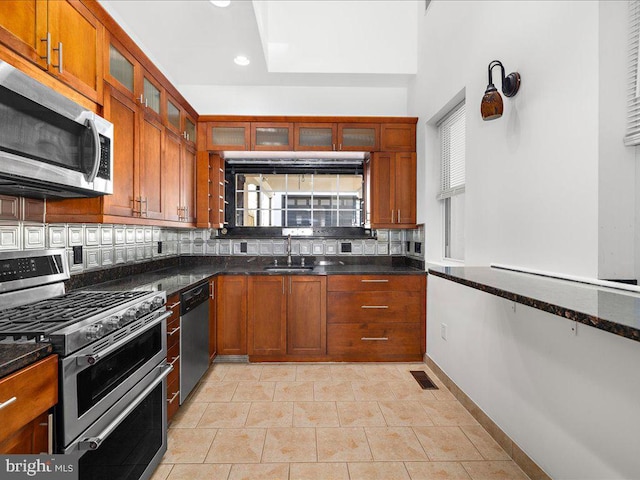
[{"x": 50, "y": 146}]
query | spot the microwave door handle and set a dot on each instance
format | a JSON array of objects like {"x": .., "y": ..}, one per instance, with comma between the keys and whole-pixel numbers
[
  {"x": 93, "y": 443},
  {"x": 96, "y": 140}
]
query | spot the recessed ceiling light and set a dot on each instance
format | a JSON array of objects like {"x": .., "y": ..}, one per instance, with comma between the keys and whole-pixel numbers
[
  {"x": 242, "y": 60},
  {"x": 221, "y": 3}
]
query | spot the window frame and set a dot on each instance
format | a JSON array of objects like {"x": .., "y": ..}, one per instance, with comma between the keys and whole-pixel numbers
[{"x": 452, "y": 144}]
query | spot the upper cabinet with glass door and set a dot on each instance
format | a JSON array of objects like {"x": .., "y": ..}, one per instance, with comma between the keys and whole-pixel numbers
[
  {"x": 228, "y": 136},
  {"x": 121, "y": 69},
  {"x": 315, "y": 136},
  {"x": 189, "y": 130},
  {"x": 272, "y": 136},
  {"x": 360, "y": 137}
]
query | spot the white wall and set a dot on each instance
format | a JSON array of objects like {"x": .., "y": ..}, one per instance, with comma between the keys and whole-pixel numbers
[
  {"x": 532, "y": 176},
  {"x": 570, "y": 402},
  {"x": 287, "y": 100},
  {"x": 617, "y": 163}
]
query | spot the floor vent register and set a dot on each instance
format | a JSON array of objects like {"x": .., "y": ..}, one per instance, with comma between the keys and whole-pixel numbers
[{"x": 423, "y": 380}]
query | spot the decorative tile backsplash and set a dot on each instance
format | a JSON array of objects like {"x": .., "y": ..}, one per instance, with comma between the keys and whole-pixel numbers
[{"x": 95, "y": 246}]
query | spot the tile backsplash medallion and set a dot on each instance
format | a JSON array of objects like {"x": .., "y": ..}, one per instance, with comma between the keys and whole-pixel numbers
[{"x": 96, "y": 246}]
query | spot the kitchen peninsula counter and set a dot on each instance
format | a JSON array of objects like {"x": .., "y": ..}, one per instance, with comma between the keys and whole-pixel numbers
[{"x": 613, "y": 310}]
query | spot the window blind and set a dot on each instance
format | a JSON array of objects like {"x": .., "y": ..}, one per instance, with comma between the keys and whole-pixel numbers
[
  {"x": 452, "y": 147},
  {"x": 632, "y": 136}
]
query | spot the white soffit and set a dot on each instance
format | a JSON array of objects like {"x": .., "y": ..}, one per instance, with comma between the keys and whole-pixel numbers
[{"x": 346, "y": 36}]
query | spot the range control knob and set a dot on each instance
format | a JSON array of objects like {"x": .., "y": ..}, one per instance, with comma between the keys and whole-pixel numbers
[
  {"x": 112, "y": 323},
  {"x": 144, "y": 308},
  {"x": 130, "y": 315},
  {"x": 94, "y": 331},
  {"x": 157, "y": 302}
]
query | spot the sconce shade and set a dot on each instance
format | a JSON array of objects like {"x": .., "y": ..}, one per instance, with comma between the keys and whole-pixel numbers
[{"x": 491, "y": 106}]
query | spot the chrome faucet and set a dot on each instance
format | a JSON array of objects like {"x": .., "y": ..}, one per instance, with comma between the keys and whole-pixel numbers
[{"x": 289, "y": 250}]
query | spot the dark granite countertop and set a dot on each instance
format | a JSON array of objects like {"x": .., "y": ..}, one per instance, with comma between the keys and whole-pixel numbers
[
  {"x": 177, "y": 279},
  {"x": 14, "y": 356},
  {"x": 615, "y": 311}
]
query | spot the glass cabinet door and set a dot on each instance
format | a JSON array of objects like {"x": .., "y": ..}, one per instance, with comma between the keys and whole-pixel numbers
[
  {"x": 151, "y": 96},
  {"x": 315, "y": 136},
  {"x": 228, "y": 135},
  {"x": 121, "y": 68},
  {"x": 173, "y": 115},
  {"x": 359, "y": 137},
  {"x": 189, "y": 130},
  {"x": 271, "y": 136}
]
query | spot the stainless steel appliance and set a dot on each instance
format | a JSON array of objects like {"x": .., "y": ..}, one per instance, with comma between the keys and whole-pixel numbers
[
  {"x": 50, "y": 146},
  {"x": 112, "y": 367},
  {"x": 194, "y": 337}
]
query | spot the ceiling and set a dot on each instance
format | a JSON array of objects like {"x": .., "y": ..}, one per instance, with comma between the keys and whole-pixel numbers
[{"x": 322, "y": 43}]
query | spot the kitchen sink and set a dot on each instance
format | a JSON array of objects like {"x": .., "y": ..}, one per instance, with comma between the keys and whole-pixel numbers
[{"x": 288, "y": 268}]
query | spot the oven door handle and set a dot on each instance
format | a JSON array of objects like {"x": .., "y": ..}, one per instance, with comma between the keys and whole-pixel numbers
[
  {"x": 93, "y": 443},
  {"x": 92, "y": 359}
]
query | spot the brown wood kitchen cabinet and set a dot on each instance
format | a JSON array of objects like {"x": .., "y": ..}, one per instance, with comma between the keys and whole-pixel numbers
[
  {"x": 228, "y": 136},
  {"x": 27, "y": 395},
  {"x": 231, "y": 311},
  {"x": 398, "y": 137},
  {"x": 307, "y": 315},
  {"x": 393, "y": 189},
  {"x": 213, "y": 324},
  {"x": 210, "y": 190},
  {"x": 173, "y": 355},
  {"x": 318, "y": 136},
  {"x": 271, "y": 136},
  {"x": 267, "y": 315},
  {"x": 376, "y": 317},
  {"x": 287, "y": 316},
  {"x": 62, "y": 37}
]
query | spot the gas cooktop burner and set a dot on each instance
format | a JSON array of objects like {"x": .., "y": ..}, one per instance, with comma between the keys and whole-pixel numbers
[{"x": 42, "y": 318}]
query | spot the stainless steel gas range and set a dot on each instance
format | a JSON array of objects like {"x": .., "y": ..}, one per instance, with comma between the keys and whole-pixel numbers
[{"x": 112, "y": 368}]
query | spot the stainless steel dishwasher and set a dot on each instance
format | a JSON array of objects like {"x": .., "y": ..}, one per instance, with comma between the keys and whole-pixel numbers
[{"x": 194, "y": 337}]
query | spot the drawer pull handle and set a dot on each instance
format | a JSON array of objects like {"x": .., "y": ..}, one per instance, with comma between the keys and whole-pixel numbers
[
  {"x": 8, "y": 402},
  {"x": 374, "y": 339},
  {"x": 374, "y": 306},
  {"x": 174, "y": 396},
  {"x": 170, "y": 334},
  {"x": 173, "y": 362},
  {"x": 173, "y": 305},
  {"x": 375, "y": 281}
]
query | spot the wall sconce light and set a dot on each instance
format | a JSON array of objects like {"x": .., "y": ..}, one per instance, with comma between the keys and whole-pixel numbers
[{"x": 491, "y": 106}]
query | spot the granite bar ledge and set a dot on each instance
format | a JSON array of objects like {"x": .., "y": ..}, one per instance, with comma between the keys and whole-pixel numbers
[{"x": 614, "y": 311}]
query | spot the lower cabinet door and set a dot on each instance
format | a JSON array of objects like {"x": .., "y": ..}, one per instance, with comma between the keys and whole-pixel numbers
[
  {"x": 231, "y": 309},
  {"x": 307, "y": 315},
  {"x": 267, "y": 315}
]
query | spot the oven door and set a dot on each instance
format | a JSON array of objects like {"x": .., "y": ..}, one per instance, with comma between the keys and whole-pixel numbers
[
  {"x": 92, "y": 380},
  {"x": 129, "y": 440}
]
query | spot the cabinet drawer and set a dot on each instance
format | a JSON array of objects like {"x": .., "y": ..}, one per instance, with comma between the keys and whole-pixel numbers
[
  {"x": 173, "y": 399},
  {"x": 346, "y": 283},
  {"x": 360, "y": 307},
  {"x": 35, "y": 390},
  {"x": 373, "y": 338},
  {"x": 173, "y": 351},
  {"x": 173, "y": 335},
  {"x": 174, "y": 376}
]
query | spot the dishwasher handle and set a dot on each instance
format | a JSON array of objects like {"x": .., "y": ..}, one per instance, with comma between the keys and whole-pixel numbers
[{"x": 194, "y": 297}]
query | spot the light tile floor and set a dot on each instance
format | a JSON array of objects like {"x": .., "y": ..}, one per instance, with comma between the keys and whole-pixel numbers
[{"x": 327, "y": 422}]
